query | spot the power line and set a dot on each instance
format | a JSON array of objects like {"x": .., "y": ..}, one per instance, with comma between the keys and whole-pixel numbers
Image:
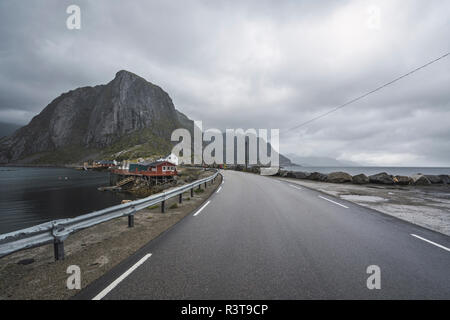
[{"x": 368, "y": 93}]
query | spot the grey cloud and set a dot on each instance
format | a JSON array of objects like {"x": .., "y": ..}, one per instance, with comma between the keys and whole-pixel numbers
[{"x": 262, "y": 64}]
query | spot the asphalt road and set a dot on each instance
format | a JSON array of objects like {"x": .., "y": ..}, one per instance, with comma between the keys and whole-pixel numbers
[{"x": 261, "y": 238}]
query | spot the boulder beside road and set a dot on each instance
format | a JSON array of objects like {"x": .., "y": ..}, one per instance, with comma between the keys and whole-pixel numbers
[
  {"x": 360, "y": 179},
  {"x": 445, "y": 178},
  {"x": 317, "y": 176},
  {"x": 433, "y": 179},
  {"x": 379, "y": 178},
  {"x": 290, "y": 174},
  {"x": 420, "y": 180},
  {"x": 282, "y": 173},
  {"x": 302, "y": 175},
  {"x": 339, "y": 177},
  {"x": 403, "y": 180},
  {"x": 382, "y": 178}
]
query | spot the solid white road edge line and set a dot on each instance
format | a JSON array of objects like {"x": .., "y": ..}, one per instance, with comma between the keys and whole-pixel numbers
[
  {"x": 299, "y": 188},
  {"x": 219, "y": 190},
  {"x": 429, "y": 241},
  {"x": 333, "y": 202},
  {"x": 120, "y": 279},
  {"x": 202, "y": 208}
]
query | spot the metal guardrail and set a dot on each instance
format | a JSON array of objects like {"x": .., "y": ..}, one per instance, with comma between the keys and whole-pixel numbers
[{"x": 58, "y": 230}]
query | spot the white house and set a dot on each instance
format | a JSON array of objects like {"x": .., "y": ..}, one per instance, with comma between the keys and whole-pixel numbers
[
  {"x": 171, "y": 158},
  {"x": 125, "y": 165}
]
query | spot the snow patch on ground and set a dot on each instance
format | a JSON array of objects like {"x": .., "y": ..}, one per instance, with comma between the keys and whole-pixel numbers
[{"x": 355, "y": 197}]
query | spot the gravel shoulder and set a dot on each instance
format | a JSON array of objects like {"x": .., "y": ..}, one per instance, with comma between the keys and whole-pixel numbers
[
  {"x": 426, "y": 206},
  {"x": 33, "y": 273}
]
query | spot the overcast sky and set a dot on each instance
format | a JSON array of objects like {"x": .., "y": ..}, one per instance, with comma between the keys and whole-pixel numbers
[{"x": 251, "y": 64}]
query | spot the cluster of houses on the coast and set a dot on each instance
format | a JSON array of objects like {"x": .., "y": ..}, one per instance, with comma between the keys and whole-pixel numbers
[{"x": 160, "y": 167}]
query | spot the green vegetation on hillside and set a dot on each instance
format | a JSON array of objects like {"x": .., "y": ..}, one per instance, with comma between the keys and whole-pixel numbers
[
  {"x": 139, "y": 144},
  {"x": 67, "y": 155},
  {"x": 143, "y": 143}
]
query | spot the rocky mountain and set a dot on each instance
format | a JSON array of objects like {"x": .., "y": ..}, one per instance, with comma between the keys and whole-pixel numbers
[
  {"x": 283, "y": 160},
  {"x": 127, "y": 113},
  {"x": 127, "y": 118}
]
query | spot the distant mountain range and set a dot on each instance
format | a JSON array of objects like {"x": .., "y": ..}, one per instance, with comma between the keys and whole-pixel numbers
[
  {"x": 321, "y": 161},
  {"x": 127, "y": 118}
]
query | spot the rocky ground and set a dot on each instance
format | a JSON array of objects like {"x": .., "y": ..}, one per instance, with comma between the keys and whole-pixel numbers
[
  {"x": 33, "y": 273},
  {"x": 379, "y": 178},
  {"x": 139, "y": 188},
  {"x": 427, "y": 206}
]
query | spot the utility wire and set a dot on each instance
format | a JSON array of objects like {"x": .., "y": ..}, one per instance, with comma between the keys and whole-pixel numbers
[{"x": 368, "y": 93}]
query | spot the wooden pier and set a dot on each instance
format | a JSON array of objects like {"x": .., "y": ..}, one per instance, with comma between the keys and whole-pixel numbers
[{"x": 120, "y": 178}]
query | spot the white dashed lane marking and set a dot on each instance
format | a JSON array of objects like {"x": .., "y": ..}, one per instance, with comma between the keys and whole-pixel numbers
[
  {"x": 431, "y": 242},
  {"x": 200, "y": 210},
  {"x": 333, "y": 202},
  {"x": 105, "y": 291}
]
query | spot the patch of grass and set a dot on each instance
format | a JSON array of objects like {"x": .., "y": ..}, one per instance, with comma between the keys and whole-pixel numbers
[
  {"x": 189, "y": 174},
  {"x": 199, "y": 190},
  {"x": 174, "y": 206},
  {"x": 65, "y": 155},
  {"x": 154, "y": 206}
]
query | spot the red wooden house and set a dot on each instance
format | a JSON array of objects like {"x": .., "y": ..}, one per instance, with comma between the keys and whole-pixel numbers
[{"x": 157, "y": 168}]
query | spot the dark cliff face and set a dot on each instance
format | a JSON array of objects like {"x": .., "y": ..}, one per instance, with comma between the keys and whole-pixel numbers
[
  {"x": 127, "y": 104},
  {"x": 93, "y": 118}
]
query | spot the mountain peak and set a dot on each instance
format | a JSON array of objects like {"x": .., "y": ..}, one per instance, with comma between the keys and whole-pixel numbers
[{"x": 125, "y": 74}]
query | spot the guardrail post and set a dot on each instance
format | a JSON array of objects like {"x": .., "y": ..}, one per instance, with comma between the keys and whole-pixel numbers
[
  {"x": 130, "y": 221},
  {"x": 58, "y": 248},
  {"x": 192, "y": 192},
  {"x": 163, "y": 206},
  {"x": 205, "y": 184},
  {"x": 58, "y": 244},
  {"x": 131, "y": 218},
  {"x": 199, "y": 186},
  {"x": 180, "y": 199}
]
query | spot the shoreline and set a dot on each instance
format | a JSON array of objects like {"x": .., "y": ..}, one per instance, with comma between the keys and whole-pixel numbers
[
  {"x": 33, "y": 273},
  {"x": 369, "y": 170},
  {"x": 83, "y": 185},
  {"x": 382, "y": 178}
]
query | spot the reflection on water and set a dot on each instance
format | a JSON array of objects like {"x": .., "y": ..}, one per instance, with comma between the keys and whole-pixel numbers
[{"x": 30, "y": 196}]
